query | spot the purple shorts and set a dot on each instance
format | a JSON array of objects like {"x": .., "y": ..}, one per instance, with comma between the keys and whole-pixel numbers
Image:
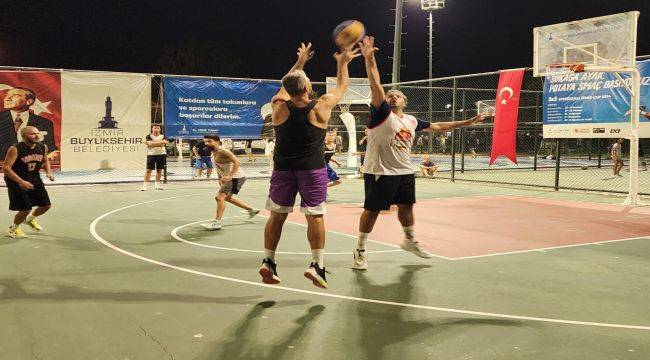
[{"x": 285, "y": 185}]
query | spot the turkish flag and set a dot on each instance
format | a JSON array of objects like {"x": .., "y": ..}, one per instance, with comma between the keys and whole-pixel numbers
[{"x": 506, "y": 108}]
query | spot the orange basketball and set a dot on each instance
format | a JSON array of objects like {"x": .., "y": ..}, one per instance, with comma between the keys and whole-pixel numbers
[{"x": 348, "y": 33}]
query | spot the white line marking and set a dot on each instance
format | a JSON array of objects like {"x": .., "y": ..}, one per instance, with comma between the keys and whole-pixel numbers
[
  {"x": 175, "y": 235},
  {"x": 551, "y": 248},
  {"x": 93, "y": 231},
  {"x": 355, "y": 237}
]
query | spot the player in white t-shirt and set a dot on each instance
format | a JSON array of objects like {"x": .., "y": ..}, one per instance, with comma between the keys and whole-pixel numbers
[
  {"x": 156, "y": 156},
  {"x": 388, "y": 172}
]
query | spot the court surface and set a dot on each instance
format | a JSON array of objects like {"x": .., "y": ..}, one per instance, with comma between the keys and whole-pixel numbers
[{"x": 518, "y": 274}]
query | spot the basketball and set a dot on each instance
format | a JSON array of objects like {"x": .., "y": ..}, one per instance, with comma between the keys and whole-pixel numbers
[{"x": 348, "y": 33}]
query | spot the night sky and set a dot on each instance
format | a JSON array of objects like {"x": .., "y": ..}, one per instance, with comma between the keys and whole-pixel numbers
[{"x": 260, "y": 37}]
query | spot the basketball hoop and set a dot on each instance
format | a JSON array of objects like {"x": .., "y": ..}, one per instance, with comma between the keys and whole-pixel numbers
[{"x": 565, "y": 67}]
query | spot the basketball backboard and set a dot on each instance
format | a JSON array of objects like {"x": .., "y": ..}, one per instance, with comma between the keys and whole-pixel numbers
[
  {"x": 606, "y": 41},
  {"x": 358, "y": 92}
]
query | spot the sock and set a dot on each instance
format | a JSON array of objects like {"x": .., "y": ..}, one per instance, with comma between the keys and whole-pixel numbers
[
  {"x": 216, "y": 221},
  {"x": 144, "y": 184},
  {"x": 13, "y": 226},
  {"x": 30, "y": 217},
  {"x": 361, "y": 243},
  {"x": 268, "y": 253},
  {"x": 317, "y": 257},
  {"x": 409, "y": 232}
]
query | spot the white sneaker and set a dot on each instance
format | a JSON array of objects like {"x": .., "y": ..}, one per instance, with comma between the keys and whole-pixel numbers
[
  {"x": 252, "y": 213},
  {"x": 415, "y": 247},
  {"x": 143, "y": 188},
  {"x": 360, "y": 262},
  {"x": 158, "y": 187},
  {"x": 212, "y": 225}
]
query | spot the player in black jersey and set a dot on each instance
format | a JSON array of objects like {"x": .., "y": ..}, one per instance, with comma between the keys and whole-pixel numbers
[{"x": 22, "y": 168}]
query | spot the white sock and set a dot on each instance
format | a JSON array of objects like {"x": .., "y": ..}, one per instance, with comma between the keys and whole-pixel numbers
[
  {"x": 409, "y": 232},
  {"x": 268, "y": 253},
  {"x": 361, "y": 243},
  {"x": 317, "y": 257},
  {"x": 30, "y": 217},
  {"x": 144, "y": 184},
  {"x": 216, "y": 221},
  {"x": 14, "y": 226}
]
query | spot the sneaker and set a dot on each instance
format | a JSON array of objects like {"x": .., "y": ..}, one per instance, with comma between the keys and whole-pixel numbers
[
  {"x": 213, "y": 225},
  {"x": 252, "y": 213},
  {"x": 158, "y": 187},
  {"x": 143, "y": 188},
  {"x": 317, "y": 275},
  {"x": 16, "y": 233},
  {"x": 34, "y": 225},
  {"x": 269, "y": 272},
  {"x": 415, "y": 247},
  {"x": 360, "y": 262}
]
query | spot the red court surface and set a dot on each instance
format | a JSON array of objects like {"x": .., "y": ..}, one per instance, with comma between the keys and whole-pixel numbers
[{"x": 477, "y": 226}]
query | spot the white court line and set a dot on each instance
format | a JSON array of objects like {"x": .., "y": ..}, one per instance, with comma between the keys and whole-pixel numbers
[
  {"x": 93, "y": 231},
  {"x": 175, "y": 235},
  {"x": 355, "y": 237},
  {"x": 551, "y": 248}
]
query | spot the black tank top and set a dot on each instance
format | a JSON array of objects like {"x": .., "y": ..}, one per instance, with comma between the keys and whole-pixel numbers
[
  {"x": 298, "y": 143},
  {"x": 27, "y": 164},
  {"x": 329, "y": 153}
]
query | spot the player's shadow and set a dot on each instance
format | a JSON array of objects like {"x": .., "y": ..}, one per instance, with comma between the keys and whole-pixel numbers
[
  {"x": 244, "y": 341},
  {"x": 381, "y": 326},
  {"x": 12, "y": 289}
]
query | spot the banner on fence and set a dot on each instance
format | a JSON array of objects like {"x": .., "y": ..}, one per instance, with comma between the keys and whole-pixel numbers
[
  {"x": 106, "y": 118},
  {"x": 229, "y": 108},
  {"x": 30, "y": 98},
  {"x": 594, "y": 105}
]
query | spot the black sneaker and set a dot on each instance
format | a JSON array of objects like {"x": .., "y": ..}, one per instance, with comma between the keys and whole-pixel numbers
[
  {"x": 268, "y": 272},
  {"x": 317, "y": 275}
]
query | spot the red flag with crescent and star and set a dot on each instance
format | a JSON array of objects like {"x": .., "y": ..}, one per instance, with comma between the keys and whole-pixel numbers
[{"x": 506, "y": 108}]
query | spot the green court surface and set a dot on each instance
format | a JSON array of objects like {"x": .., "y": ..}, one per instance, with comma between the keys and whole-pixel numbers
[{"x": 123, "y": 274}]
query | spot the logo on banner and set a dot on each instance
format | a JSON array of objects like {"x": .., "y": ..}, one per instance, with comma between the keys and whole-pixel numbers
[
  {"x": 581, "y": 131},
  {"x": 107, "y": 136},
  {"x": 599, "y": 130},
  {"x": 615, "y": 131}
]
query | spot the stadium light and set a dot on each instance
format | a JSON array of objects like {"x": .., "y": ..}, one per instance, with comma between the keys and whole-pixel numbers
[{"x": 430, "y": 5}]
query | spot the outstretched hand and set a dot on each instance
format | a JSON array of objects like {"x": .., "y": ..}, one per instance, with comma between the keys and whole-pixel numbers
[
  {"x": 347, "y": 54},
  {"x": 480, "y": 117},
  {"x": 305, "y": 53},
  {"x": 367, "y": 46}
]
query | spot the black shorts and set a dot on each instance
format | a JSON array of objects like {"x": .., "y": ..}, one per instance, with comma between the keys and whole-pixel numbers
[
  {"x": 156, "y": 162},
  {"x": 24, "y": 200},
  {"x": 382, "y": 191}
]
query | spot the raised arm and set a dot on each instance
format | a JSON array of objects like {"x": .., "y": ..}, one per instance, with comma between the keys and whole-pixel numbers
[
  {"x": 343, "y": 58},
  {"x": 368, "y": 49},
  {"x": 305, "y": 53}
]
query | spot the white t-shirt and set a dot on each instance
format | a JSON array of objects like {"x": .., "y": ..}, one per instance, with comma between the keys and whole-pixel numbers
[
  {"x": 390, "y": 139},
  {"x": 270, "y": 147},
  {"x": 156, "y": 150},
  {"x": 225, "y": 168}
]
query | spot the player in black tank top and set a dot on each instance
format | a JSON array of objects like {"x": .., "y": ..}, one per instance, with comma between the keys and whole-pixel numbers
[
  {"x": 22, "y": 167},
  {"x": 299, "y": 144},
  {"x": 300, "y": 125}
]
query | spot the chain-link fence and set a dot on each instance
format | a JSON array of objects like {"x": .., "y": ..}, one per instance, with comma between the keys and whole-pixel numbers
[
  {"x": 459, "y": 155},
  {"x": 463, "y": 154}
]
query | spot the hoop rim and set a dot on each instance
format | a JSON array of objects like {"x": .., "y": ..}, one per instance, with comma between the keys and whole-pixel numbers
[{"x": 575, "y": 67}]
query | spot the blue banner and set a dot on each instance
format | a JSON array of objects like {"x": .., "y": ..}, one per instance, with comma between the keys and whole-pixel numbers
[
  {"x": 229, "y": 108},
  {"x": 593, "y": 104}
]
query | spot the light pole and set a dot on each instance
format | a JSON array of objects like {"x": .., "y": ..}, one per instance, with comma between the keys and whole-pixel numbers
[
  {"x": 430, "y": 6},
  {"x": 397, "y": 41}
]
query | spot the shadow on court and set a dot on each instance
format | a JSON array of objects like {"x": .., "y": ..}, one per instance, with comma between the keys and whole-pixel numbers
[
  {"x": 244, "y": 340},
  {"x": 380, "y": 327}
]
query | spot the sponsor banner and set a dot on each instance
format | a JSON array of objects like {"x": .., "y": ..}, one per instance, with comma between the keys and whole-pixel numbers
[
  {"x": 30, "y": 98},
  {"x": 107, "y": 116},
  {"x": 581, "y": 131},
  {"x": 594, "y": 105},
  {"x": 230, "y": 108}
]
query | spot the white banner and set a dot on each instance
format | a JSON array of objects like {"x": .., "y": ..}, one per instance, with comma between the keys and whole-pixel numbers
[{"x": 106, "y": 118}]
